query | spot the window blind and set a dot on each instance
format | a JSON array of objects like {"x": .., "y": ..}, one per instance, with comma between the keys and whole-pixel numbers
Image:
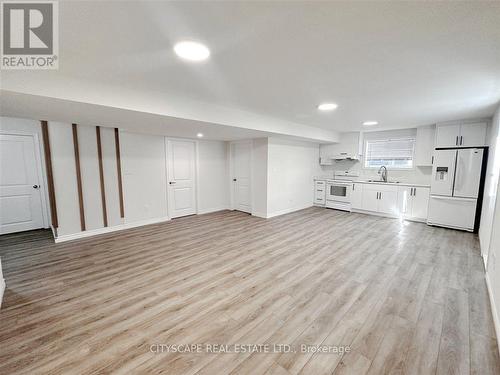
[{"x": 393, "y": 153}]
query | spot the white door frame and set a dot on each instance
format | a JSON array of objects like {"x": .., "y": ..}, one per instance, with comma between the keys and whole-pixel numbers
[
  {"x": 230, "y": 174},
  {"x": 196, "y": 171},
  {"x": 40, "y": 171}
]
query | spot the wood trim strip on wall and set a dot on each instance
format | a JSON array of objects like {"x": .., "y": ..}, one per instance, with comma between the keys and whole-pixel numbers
[
  {"x": 50, "y": 175},
  {"x": 101, "y": 175},
  {"x": 119, "y": 170},
  {"x": 78, "y": 176}
]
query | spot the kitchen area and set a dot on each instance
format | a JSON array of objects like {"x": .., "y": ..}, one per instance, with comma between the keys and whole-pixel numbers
[{"x": 432, "y": 174}]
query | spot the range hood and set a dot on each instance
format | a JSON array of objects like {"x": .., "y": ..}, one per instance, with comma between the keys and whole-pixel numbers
[{"x": 345, "y": 156}]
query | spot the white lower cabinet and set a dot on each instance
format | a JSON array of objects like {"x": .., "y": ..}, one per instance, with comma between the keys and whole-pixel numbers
[
  {"x": 388, "y": 202},
  {"x": 319, "y": 192},
  {"x": 380, "y": 198},
  {"x": 413, "y": 202},
  {"x": 370, "y": 198},
  {"x": 357, "y": 196}
]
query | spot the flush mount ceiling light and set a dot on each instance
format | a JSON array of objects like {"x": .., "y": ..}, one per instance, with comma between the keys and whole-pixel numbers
[
  {"x": 199, "y": 135},
  {"x": 327, "y": 106},
  {"x": 370, "y": 123},
  {"x": 192, "y": 51}
]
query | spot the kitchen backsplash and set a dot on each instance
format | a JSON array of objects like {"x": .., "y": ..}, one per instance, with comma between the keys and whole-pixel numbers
[{"x": 418, "y": 175}]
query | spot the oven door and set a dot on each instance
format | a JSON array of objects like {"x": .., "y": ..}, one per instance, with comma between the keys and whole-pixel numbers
[{"x": 339, "y": 192}]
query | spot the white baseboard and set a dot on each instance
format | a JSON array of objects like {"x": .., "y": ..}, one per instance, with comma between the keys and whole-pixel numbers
[
  {"x": 95, "y": 232},
  {"x": 262, "y": 215},
  {"x": 214, "y": 209},
  {"x": 494, "y": 311},
  {"x": 288, "y": 210},
  {"x": 2, "y": 289},
  {"x": 280, "y": 212}
]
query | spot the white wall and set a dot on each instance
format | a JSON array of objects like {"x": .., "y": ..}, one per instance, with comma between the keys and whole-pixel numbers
[
  {"x": 64, "y": 173},
  {"x": 2, "y": 283},
  {"x": 491, "y": 185},
  {"x": 91, "y": 183},
  {"x": 213, "y": 177},
  {"x": 259, "y": 176},
  {"x": 418, "y": 175},
  {"x": 291, "y": 168},
  {"x": 110, "y": 176},
  {"x": 491, "y": 209},
  {"x": 143, "y": 162}
]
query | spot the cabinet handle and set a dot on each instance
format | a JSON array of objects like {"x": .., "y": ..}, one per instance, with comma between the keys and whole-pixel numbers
[
  {"x": 414, "y": 192},
  {"x": 461, "y": 140},
  {"x": 352, "y": 186},
  {"x": 456, "y": 141},
  {"x": 432, "y": 159},
  {"x": 380, "y": 195}
]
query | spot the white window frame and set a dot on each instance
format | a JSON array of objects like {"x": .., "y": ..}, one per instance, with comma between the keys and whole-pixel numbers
[{"x": 365, "y": 156}]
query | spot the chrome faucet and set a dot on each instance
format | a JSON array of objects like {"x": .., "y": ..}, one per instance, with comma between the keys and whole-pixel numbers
[{"x": 383, "y": 173}]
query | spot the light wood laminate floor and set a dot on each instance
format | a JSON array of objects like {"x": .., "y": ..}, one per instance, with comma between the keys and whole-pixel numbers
[{"x": 404, "y": 297}]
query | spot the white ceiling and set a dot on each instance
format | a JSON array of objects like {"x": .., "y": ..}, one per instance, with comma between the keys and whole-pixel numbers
[{"x": 402, "y": 64}]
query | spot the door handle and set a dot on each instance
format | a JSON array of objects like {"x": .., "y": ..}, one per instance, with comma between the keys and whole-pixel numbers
[
  {"x": 172, "y": 182},
  {"x": 461, "y": 138},
  {"x": 36, "y": 186}
]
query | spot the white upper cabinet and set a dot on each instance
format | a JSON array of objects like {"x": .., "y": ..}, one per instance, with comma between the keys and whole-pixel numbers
[
  {"x": 461, "y": 135},
  {"x": 473, "y": 135},
  {"x": 424, "y": 146},
  {"x": 347, "y": 148},
  {"x": 447, "y": 135}
]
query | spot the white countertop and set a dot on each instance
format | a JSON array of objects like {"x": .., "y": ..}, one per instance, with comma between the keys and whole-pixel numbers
[{"x": 400, "y": 183}]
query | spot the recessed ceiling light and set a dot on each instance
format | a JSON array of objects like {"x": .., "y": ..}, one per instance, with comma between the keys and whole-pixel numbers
[
  {"x": 327, "y": 106},
  {"x": 199, "y": 135},
  {"x": 370, "y": 123},
  {"x": 192, "y": 51}
]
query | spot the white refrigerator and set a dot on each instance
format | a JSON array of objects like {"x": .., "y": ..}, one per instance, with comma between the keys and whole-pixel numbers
[{"x": 456, "y": 177}]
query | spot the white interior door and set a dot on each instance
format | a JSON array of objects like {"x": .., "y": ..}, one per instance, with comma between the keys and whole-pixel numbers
[
  {"x": 443, "y": 172},
  {"x": 468, "y": 174},
  {"x": 181, "y": 182},
  {"x": 20, "y": 185},
  {"x": 241, "y": 172}
]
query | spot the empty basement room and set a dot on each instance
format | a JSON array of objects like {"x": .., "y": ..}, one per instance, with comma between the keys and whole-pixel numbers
[{"x": 250, "y": 187}]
